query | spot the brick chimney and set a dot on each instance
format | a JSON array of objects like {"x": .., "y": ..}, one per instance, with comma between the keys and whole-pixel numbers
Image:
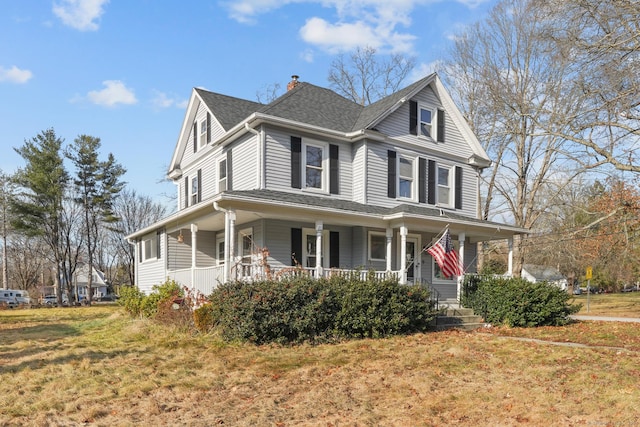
[{"x": 293, "y": 83}]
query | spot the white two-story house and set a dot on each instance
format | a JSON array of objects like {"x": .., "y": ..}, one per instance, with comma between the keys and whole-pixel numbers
[{"x": 313, "y": 182}]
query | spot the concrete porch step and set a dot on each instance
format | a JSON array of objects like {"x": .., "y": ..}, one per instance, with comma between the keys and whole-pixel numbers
[{"x": 457, "y": 318}]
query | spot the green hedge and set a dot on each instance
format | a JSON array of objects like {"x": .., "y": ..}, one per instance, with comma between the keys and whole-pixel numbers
[
  {"x": 307, "y": 310},
  {"x": 137, "y": 304},
  {"x": 517, "y": 302}
]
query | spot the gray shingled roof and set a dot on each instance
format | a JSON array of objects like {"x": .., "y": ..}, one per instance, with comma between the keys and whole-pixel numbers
[
  {"x": 317, "y": 106},
  {"x": 346, "y": 205},
  {"x": 306, "y": 103},
  {"x": 229, "y": 111}
]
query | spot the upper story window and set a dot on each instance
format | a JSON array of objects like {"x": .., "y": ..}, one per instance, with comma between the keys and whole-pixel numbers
[
  {"x": 426, "y": 122},
  {"x": 203, "y": 133},
  {"x": 315, "y": 165},
  {"x": 405, "y": 178},
  {"x": 444, "y": 181},
  {"x": 314, "y": 160},
  {"x": 196, "y": 188},
  {"x": 222, "y": 175}
]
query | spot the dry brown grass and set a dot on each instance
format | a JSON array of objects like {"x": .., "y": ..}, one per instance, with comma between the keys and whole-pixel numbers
[
  {"x": 95, "y": 366},
  {"x": 615, "y": 305}
]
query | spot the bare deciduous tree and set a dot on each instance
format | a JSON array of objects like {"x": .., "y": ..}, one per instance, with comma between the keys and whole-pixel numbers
[
  {"x": 365, "y": 77},
  {"x": 134, "y": 212},
  {"x": 602, "y": 39},
  {"x": 508, "y": 79}
]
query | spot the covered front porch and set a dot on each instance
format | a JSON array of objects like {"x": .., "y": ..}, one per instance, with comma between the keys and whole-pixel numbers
[{"x": 238, "y": 239}]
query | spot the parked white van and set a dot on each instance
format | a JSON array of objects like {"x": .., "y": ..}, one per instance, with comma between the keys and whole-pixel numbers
[{"x": 14, "y": 297}]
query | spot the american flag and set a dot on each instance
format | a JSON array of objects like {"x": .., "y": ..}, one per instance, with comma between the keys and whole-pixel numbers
[{"x": 445, "y": 255}]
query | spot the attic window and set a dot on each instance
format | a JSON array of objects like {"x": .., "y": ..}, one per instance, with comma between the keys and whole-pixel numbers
[
  {"x": 203, "y": 133},
  {"x": 426, "y": 122}
]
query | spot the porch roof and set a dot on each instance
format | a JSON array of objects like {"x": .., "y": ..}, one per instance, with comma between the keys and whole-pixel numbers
[{"x": 289, "y": 205}]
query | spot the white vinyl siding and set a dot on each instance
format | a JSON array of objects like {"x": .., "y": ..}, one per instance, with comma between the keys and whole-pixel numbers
[
  {"x": 359, "y": 172},
  {"x": 396, "y": 126},
  {"x": 278, "y": 163},
  {"x": 152, "y": 271},
  {"x": 243, "y": 164}
]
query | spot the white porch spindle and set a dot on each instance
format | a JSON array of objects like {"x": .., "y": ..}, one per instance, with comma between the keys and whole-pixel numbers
[
  {"x": 403, "y": 254},
  {"x": 389, "y": 236},
  {"x": 319, "y": 227}
]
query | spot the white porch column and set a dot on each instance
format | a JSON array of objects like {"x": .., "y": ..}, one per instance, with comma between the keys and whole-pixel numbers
[
  {"x": 232, "y": 240},
  {"x": 510, "y": 258},
  {"x": 194, "y": 254},
  {"x": 229, "y": 225},
  {"x": 403, "y": 255},
  {"x": 389, "y": 248},
  {"x": 319, "y": 228},
  {"x": 461, "y": 239}
]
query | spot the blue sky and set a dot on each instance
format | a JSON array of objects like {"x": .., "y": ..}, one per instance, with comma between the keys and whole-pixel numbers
[{"x": 123, "y": 70}]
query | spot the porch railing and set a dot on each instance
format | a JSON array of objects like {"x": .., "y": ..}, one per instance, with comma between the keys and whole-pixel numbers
[{"x": 205, "y": 279}]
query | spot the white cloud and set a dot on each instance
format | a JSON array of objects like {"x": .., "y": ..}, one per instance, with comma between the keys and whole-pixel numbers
[
  {"x": 115, "y": 92},
  {"x": 161, "y": 100},
  {"x": 359, "y": 23},
  {"x": 308, "y": 55},
  {"x": 80, "y": 14},
  {"x": 338, "y": 37},
  {"x": 423, "y": 70},
  {"x": 14, "y": 75}
]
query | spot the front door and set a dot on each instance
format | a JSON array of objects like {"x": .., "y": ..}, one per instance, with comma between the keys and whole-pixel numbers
[{"x": 413, "y": 260}]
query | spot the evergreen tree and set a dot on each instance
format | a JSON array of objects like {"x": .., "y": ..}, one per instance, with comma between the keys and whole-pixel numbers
[
  {"x": 37, "y": 209},
  {"x": 97, "y": 184}
]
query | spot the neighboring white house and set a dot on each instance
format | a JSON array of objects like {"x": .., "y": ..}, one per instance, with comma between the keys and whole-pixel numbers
[
  {"x": 80, "y": 283},
  {"x": 539, "y": 273},
  {"x": 315, "y": 181}
]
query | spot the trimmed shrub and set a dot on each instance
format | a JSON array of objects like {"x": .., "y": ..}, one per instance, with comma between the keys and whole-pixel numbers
[
  {"x": 137, "y": 303},
  {"x": 518, "y": 302},
  {"x": 381, "y": 308},
  {"x": 131, "y": 298},
  {"x": 303, "y": 309}
]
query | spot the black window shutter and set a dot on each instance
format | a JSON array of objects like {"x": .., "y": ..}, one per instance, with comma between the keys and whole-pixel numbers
[
  {"x": 334, "y": 249},
  {"x": 296, "y": 149},
  {"x": 296, "y": 246},
  {"x": 413, "y": 117},
  {"x": 391, "y": 172},
  {"x": 431, "y": 183},
  {"x": 208, "y": 127},
  {"x": 440, "y": 125},
  {"x": 158, "y": 243},
  {"x": 458, "y": 187},
  {"x": 199, "y": 185},
  {"x": 422, "y": 180},
  {"x": 186, "y": 191},
  {"x": 229, "y": 172},
  {"x": 334, "y": 177},
  {"x": 195, "y": 136}
]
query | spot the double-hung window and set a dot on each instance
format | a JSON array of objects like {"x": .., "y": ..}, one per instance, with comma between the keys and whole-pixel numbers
[
  {"x": 314, "y": 166},
  {"x": 203, "y": 134},
  {"x": 222, "y": 175},
  {"x": 426, "y": 122},
  {"x": 444, "y": 181},
  {"x": 405, "y": 177}
]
